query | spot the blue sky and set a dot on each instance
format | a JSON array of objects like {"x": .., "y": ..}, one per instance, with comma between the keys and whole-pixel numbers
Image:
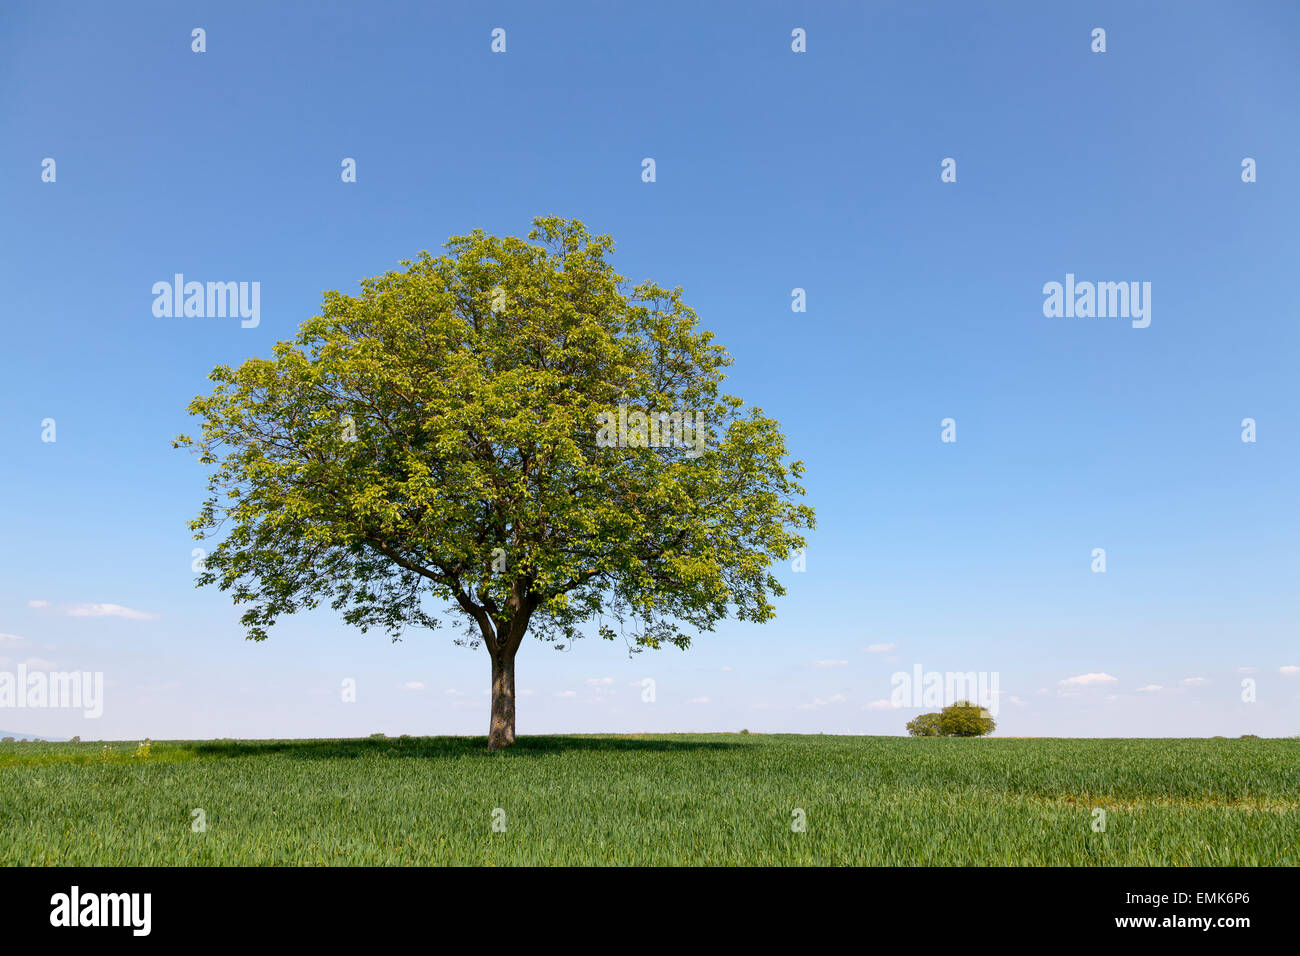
[{"x": 775, "y": 170}]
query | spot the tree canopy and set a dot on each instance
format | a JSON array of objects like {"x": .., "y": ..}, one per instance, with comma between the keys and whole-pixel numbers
[
  {"x": 962, "y": 719},
  {"x": 509, "y": 429}
]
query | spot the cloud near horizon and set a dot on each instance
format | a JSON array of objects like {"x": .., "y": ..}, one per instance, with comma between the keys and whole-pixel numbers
[
  {"x": 110, "y": 610},
  {"x": 1084, "y": 680}
]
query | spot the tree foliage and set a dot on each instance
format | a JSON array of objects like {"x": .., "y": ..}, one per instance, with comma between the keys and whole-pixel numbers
[
  {"x": 962, "y": 719},
  {"x": 433, "y": 439},
  {"x": 925, "y": 725}
]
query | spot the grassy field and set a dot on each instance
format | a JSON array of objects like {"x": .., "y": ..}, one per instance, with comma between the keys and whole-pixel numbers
[{"x": 711, "y": 799}]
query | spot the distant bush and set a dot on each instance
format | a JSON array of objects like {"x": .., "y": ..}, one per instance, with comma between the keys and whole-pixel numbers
[
  {"x": 7, "y": 740},
  {"x": 1250, "y": 736},
  {"x": 962, "y": 719},
  {"x": 965, "y": 719},
  {"x": 926, "y": 725},
  {"x": 75, "y": 740}
]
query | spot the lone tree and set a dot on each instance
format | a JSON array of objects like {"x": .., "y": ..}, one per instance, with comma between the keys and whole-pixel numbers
[
  {"x": 962, "y": 719},
  {"x": 512, "y": 430}
]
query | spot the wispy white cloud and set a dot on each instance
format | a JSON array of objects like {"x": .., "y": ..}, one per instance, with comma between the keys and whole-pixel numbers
[
  {"x": 1194, "y": 681},
  {"x": 38, "y": 603},
  {"x": 1085, "y": 680},
  {"x": 413, "y": 685},
  {"x": 1150, "y": 689},
  {"x": 34, "y": 663},
  {"x": 109, "y": 610},
  {"x": 880, "y": 648},
  {"x": 820, "y": 702},
  {"x": 828, "y": 664},
  {"x": 1290, "y": 670}
]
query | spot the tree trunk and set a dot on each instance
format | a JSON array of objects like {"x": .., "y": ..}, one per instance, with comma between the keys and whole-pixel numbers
[{"x": 501, "y": 732}]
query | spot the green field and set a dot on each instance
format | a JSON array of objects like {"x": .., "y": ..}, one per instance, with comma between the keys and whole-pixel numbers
[{"x": 713, "y": 799}]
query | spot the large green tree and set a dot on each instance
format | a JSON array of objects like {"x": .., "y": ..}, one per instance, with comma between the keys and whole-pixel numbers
[{"x": 508, "y": 430}]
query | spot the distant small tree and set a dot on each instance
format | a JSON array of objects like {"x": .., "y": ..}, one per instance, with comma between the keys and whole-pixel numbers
[
  {"x": 926, "y": 725},
  {"x": 965, "y": 719}
]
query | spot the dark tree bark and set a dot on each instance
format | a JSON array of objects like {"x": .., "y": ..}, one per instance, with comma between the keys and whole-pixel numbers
[{"x": 501, "y": 731}]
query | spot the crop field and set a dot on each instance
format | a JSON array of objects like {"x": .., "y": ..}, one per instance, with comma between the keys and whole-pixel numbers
[{"x": 716, "y": 799}]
